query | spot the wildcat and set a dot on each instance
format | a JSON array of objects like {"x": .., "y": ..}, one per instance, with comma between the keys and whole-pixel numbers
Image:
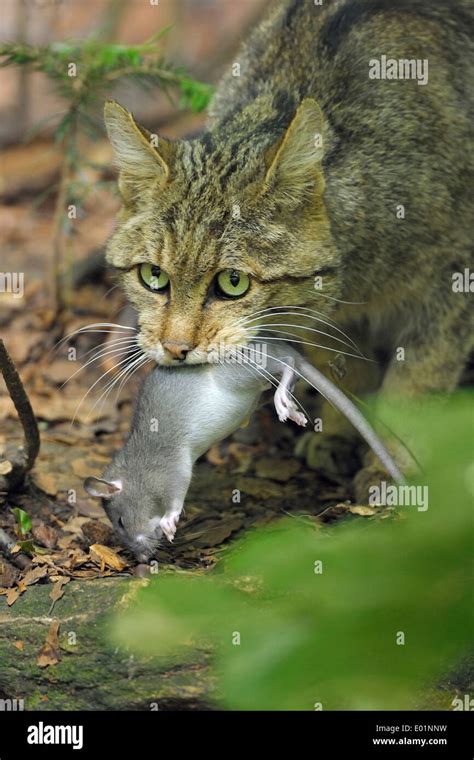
[{"x": 318, "y": 195}]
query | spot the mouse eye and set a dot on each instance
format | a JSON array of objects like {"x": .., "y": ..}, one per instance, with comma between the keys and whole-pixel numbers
[{"x": 121, "y": 523}]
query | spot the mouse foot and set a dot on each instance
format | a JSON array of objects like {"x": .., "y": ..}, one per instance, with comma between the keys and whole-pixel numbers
[
  {"x": 168, "y": 525},
  {"x": 286, "y": 409}
]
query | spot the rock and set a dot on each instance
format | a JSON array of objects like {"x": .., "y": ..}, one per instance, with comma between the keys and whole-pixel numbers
[{"x": 91, "y": 674}]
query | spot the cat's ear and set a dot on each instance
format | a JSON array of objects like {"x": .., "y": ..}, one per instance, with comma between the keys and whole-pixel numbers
[
  {"x": 295, "y": 161},
  {"x": 141, "y": 158},
  {"x": 102, "y": 489}
]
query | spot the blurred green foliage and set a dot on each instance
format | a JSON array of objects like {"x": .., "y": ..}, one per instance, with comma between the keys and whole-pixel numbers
[
  {"x": 330, "y": 637},
  {"x": 100, "y": 65}
]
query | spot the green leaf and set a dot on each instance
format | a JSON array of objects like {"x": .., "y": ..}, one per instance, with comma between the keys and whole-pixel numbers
[
  {"x": 27, "y": 547},
  {"x": 23, "y": 520}
]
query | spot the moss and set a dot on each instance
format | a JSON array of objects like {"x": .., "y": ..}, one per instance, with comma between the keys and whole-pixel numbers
[{"x": 91, "y": 673}]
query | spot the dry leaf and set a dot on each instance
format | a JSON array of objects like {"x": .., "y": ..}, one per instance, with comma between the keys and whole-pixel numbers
[
  {"x": 362, "y": 511},
  {"x": 104, "y": 556},
  {"x": 34, "y": 575},
  {"x": 84, "y": 469},
  {"x": 49, "y": 653},
  {"x": 12, "y": 595},
  {"x": 45, "y": 535},
  {"x": 58, "y": 589},
  {"x": 74, "y": 525},
  {"x": 46, "y": 482},
  {"x": 19, "y": 645},
  {"x": 5, "y": 467}
]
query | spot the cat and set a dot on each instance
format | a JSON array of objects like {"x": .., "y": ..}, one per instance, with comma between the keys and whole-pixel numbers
[{"x": 331, "y": 189}]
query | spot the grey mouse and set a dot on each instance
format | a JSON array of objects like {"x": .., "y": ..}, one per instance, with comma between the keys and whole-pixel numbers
[{"x": 181, "y": 412}]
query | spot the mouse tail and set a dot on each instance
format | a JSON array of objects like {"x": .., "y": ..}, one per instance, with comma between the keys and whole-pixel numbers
[{"x": 335, "y": 396}]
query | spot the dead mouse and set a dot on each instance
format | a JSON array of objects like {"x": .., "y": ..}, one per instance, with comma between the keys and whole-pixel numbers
[{"x": 181, "y": 412}]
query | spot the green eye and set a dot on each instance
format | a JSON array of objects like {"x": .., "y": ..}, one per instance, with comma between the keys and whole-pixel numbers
[
  {"x": 152, "y": 277},
  {"x": 232, "y": 284}
]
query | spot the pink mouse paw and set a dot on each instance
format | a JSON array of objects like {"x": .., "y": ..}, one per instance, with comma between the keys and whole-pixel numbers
[{"x": 168, "y": 525}]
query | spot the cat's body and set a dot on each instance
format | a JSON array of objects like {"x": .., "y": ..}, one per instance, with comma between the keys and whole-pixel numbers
[{"x": 370, "y": 193}]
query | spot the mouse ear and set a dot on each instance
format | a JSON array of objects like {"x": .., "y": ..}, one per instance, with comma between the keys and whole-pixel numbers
[{"x": 102, "y": 489}]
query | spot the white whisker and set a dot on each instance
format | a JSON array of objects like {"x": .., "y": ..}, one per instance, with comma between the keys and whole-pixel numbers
[
  {"x": 263, "y": 338},
  {"x": 107, "y": 372},
  {"x": 117, "y": 351}
]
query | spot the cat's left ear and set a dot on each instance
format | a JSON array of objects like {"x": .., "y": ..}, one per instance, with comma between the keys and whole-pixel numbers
[{"x": 295, "y": 162}]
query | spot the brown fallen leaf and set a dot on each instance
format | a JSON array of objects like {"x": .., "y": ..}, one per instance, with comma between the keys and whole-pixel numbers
[
  {"x": 74, "y": 525},
  {"x": 49, "y": 653},
  {"x": 58, "y": 589},
  {"x": 89, "y": 508},
  {"x": 45, "y": 535},
  {"x": 12, "y": 595},
  {"x": 46, "y": 482},
  {"x": 5, "y": 467},
  {"x": 60, "y": 371},
  {"x": 362, "y": 511},
  {"x": 84, "y": 469},
  {"x": 66, "y": 541},
  {"x": 34, "y": 575},
  {"x": 104, "y": 556},
  {"x": 19, "y": 645}
]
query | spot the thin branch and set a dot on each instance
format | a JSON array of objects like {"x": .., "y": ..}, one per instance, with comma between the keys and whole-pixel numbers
[{"x": 22, "y": 405}]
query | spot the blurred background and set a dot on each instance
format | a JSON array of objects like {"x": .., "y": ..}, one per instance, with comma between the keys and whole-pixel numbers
[{"x": 203, "y": 36}]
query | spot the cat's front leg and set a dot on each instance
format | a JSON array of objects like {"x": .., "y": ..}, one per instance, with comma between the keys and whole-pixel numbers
[{"x": 432, "y": 362}]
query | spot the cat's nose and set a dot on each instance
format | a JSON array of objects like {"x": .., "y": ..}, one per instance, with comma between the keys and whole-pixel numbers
[{"x": 176, "y": 349}]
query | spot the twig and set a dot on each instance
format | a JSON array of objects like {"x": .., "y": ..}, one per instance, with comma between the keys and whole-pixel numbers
[
  {"x": 27, "y": 419},
  {"x": 17, "y": 558}
]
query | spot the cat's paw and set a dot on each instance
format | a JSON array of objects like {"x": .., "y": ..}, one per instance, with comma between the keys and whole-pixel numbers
[
  {"x": 168, "y": 525},
  {"x": 333, "y": 455}
]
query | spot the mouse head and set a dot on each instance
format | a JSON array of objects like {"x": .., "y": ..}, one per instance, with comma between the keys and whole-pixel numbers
[{"x": 136, "y": 524}]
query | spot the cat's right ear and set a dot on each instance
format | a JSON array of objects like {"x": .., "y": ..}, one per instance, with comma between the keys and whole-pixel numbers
[
  {"x": 102, "y": 489},
  {"x": 142, "y": 158}
]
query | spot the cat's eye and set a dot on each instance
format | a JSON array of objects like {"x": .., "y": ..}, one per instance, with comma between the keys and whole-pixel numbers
[
  {"x": 153, "y": 277},
  {"x": 230, "y": 283},
  {"x": 121, "y": 523}
]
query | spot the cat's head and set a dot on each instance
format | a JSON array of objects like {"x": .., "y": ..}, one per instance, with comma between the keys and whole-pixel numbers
[{"x": 215, "y": 230}]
